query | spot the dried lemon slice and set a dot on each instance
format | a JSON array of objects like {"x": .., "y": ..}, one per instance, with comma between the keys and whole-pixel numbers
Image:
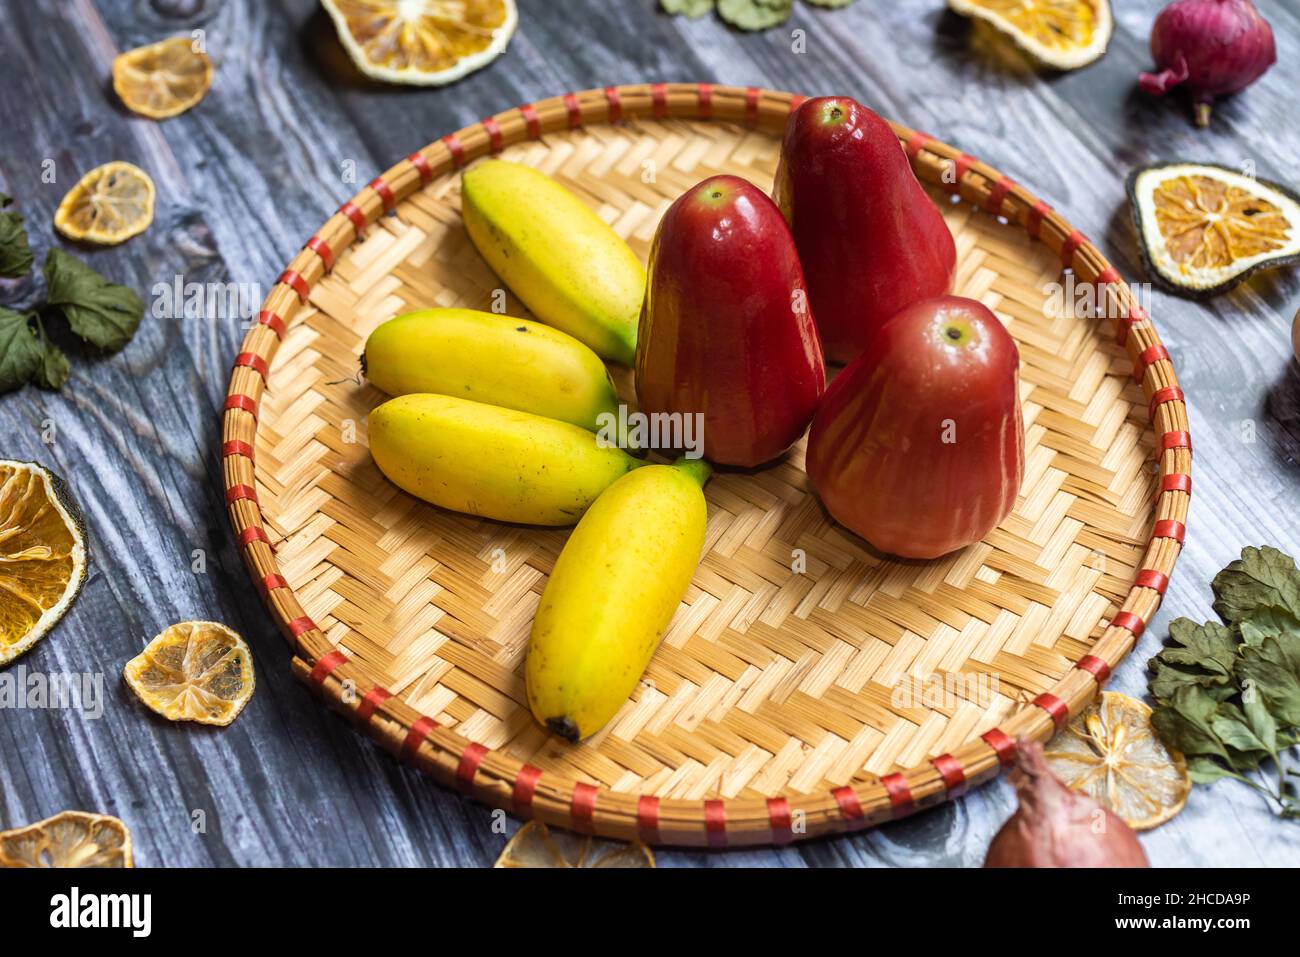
[
  {"x": 42, "y": 555},
  {"x": 423, "y": 42},
  {"x": 109, "y": 205},
  {"x": 194, "y": 671},
  {"x": 1204, "y": 228},
  {"x": 1065, "y": 34},
  {"x": 1111, "y": 753},
  {"x": 162, "y": 79},
  {"x": 536, "y": 845},
  {"x": 70, "y": 839}
]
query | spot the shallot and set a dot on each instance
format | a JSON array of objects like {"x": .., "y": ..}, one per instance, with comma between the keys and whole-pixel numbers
[{"x": 1057, "y": 827}]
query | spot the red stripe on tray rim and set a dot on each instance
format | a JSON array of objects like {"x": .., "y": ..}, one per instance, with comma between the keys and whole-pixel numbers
[
  {"x": 294, "y": 280},
  {"x": 254, "y": 533},
  {"x": 533, "y": 124},
  {"x": 300, "y": 626},
  {"x": 353, "y": 212},
  {"x": 372, "y": 700},
  {"x": 272, "y": 322},
  {"x": 850, "y": 806},
  {"x": 752, "y": 95},
  {"x": 715, "y": 823},
  {"x": 326, "y": 666},
  {"x": 1176, "y": 482},
  {"x": 704, "y": 99},
  {"x": 1034, "y": 218},
  {"x": 574, "y": 110},
  {"x": 416, "y": 736},
  {"x": 422, "y": 165},
  {"x": 900, "y": 792},
  {"x": 1129, "y": 622},
  {"x": 1176, "y": 440},
  {"x": 950, "y": 769},
  {"x": 470, "y": 759},
  {"x": 998, "y": 193},
  {"x": 525, "y": 787},
  {"x": 1095, "y": 667},
  {"x": 1001, "y": 743},
  {"x": 659, "y": 100},
  {"x": 961, "y": 166},
  {"x": 647, "y": 819},
  {"x": 496, "y": 139},
  {"x": 271, "y": 582},
  {"x": 1170, "y": 393},
  {"x": 236, "y": 447},
  {"x": 322, "y": 249},
  {"x": 779, "y": 818},
  {"x": 241, "y": 403},
  {"x": 1146, "y": 358},
  {"x": 582, "y": 806},
  {"x": 238, "y": 493},
  {"x": 385, "y": 192},
  {"x": 915, "y": 143},
  {"x": 457, "y": 150},
  {"x": 1152, "y": 578},
  {"x": 615, "y": 101},
  {"x": 1169, "y": 528},
  {"x": 1056, "y": 708},
  {"x": 1070, "y": 246},
  {"x": 251, "y": 360}
]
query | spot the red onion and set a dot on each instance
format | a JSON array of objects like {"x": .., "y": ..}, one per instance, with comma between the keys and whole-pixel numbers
[
  {"x": 1057, "y": 827},
  {"x": 1211, "y": 47}
]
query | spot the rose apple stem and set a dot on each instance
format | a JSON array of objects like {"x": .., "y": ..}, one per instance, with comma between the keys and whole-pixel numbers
[{"x": 698, "y": 469}]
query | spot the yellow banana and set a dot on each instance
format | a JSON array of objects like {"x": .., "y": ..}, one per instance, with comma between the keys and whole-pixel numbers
[
  {"x": 570, "y": 269},
  {"x": 498, "y": 463},
  {"x": 513, "y": 363},
  {"x": 611, "y": 595}
]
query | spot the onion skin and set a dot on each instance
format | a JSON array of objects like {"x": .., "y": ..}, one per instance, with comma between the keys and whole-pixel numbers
[
  {"x": 1057, "y": 827},
  {"x": 1211, "y": 48}
]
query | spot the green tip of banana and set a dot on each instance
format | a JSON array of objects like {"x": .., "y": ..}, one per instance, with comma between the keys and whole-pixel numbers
[{"x": 698, "y": 469}]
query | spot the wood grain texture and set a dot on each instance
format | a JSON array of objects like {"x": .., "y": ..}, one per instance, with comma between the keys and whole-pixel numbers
[{"x": 136, "y": 434}]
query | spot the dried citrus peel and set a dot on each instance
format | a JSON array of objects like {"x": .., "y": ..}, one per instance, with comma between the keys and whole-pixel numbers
[
  {"x": 194, "y": 671},
  {"x": 1065, "y": 34},
  {"x": 1204, "y": 228},
  {"x": 1111, "y": 753},
  {"x": 42, "y": 555},
  {"x": 70, "y": 839},
  {"x": 537, "y": 846},
  {"x": 109, "y": 205},
  {"x": 162, "y": 79},
  {"x": 423, "y": 42}
]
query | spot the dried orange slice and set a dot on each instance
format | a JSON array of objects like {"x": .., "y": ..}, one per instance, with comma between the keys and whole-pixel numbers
[
  {"x": 536, "y": 845},
  {"x": 109, "y": 205},
  {"x": 194, "y": 671},
  {"x": 70, "y": 839},
  {"x": 1204, "y": 228},
  {"x": 423, "y": 42},
  {"x": 42, "y": 555},
  {"x": 1111, "y": 753},
  {"x": 162, "y": 79},
  {"x": 1065, "y": 34}
]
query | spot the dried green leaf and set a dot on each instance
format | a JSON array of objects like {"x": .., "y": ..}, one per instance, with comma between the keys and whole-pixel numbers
[
  {"x": 1261, "y": 577},
  {"x": 1187, "y": 723},
  {"x": 103, "y": 313},
  {"x": 53, "y": 370},
  {"x": 755, "y": 14},
  {"x": 20, "y": 350},
  {"x": 1272, "y": 670},
  {"x": 15, "y": 252},
  {"x": 1201, "y": 655},
  {"x": 1204, "y": 770},
  {"x": 691, "y": 8},
  {"x": 1230, "y": 727}
]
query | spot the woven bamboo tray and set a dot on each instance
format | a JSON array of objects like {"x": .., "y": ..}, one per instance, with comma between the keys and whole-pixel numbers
[{"x": 770, "y": 712}]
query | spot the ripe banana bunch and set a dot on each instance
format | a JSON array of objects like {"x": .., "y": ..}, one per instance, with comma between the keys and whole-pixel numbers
[{"x": 612, "y": 593}]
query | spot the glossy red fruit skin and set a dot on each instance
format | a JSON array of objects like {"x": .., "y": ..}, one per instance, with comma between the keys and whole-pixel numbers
[
  {"x": 918, "y": 445},
  {"x": 725, "y": 328},
  {"x": 871, "y": 240}
]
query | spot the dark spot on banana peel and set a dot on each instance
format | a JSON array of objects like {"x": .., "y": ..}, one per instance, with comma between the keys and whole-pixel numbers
[
  {"x": 521, "y": 329},
  {"x": 564, "y": 728}
]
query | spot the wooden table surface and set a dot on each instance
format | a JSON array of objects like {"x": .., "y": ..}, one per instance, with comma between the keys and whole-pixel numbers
[{"x": 248, "y": 175}]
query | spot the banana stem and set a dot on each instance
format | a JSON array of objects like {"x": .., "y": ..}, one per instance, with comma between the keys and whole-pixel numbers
[{"x": 698, "y": 469}]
